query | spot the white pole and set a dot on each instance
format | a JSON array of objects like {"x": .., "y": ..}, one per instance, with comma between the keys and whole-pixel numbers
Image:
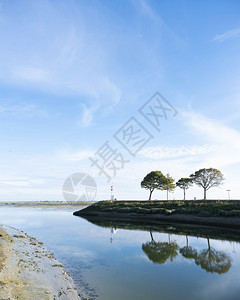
[
  {"x": 112, "y": 192},
  {"x": 228, "y": 194}
]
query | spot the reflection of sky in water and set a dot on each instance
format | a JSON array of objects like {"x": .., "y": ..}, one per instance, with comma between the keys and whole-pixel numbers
[{"x": 121, "y": 270}]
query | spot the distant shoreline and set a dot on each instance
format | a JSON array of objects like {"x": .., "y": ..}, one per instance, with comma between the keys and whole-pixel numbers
[{"x": 45, "y": 203}]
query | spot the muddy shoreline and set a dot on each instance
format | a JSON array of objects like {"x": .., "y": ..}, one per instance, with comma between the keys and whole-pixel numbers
[{"x": 29, "y": 271}]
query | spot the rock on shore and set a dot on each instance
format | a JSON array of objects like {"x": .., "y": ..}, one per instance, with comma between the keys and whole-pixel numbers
[{"x": 29, "y": 271}]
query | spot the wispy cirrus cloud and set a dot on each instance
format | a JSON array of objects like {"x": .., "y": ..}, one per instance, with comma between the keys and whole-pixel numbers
[
  {"x": 87, "y": 115},
  {"x": 31, "y": 74},
  {"x": 75, "y": 156},
  {"x": 230, "y": 34},
  {"x": 147, "y": 10},
  {"x": 22, "y": 110},
  {"x": 175, "y": 152},
  {"x": 21, "y": 182},
  {"x": 225, "y": 138}
]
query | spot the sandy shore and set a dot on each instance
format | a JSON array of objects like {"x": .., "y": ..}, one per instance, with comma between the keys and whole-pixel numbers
[{"x": 28, "y": 271}]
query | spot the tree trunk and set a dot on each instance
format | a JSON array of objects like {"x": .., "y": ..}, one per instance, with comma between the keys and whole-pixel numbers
[
  {"x": 151, "y": 236},
  {"x": 184, "y": 194},
  {"x": 150, "y": 195},
  {"x": 205, "y": 193},
  {"x": 167, "y": 194},
  {"x": 208, "y": 243}
]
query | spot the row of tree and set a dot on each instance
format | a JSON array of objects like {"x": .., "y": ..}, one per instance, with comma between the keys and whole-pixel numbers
[{"x": 205, "y": 178}]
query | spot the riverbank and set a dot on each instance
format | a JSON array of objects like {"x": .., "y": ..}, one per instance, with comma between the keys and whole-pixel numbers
[
  {"x": 210, "y": 213},
  {"x": 29, "y": 271}
]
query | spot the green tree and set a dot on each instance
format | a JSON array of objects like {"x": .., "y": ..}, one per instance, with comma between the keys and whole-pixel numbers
[
  {"x": 207, "y": 178},
  {"x": 188, "y": 251},
  {"x": 213, "y": 261},
  {"x": 160, "y": 252},
  {"x": 153, "y": 180},
  {"x": 169, "y": 185},
  {"x": 184, "y": 183}
]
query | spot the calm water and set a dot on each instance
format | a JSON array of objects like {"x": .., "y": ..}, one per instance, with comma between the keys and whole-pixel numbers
[{"x": 122, "y": 264}]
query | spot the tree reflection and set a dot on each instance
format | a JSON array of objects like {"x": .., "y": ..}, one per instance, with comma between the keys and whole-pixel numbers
[
  {"x": 208, "y": 259},
  {"x": 187, "y": 251},
  {"x": 213, "y": 261},
  {"x": 160, "y": 252}
]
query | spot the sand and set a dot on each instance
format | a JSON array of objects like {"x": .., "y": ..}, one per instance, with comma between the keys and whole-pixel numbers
[{"x": 28, "y": 271}]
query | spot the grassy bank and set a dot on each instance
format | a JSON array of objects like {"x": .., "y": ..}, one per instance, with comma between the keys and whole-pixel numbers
[
  {"x": 210, "y": 213},
  {"x": 200, "y": 208}
]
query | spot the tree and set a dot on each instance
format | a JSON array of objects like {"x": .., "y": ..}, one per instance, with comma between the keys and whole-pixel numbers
[
  {"x": 207, "y": 178},
  {"x": 213, "y": 261},
  {"x": 159, "y": 252},
  {"x": 188, "y": 251},
  {"x": 184, "y": 183},
  {"x": 169, "y": 185},
  {"x": 153, "y": 180}
]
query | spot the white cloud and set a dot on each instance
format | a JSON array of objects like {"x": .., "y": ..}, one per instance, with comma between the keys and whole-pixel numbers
[
  {"x": 75, "y": 156},
  {"x": 87, "y": 115},
  {"x": 31, "y": 74},
  {"x": 161, "y": 152},
  {"x": 234, "y": 33},
  {"x": 147, "y": 10},
  {"x": 21, "y": 182},
  {"x": 225, "y": 138},
  {"x": 76, "y": 62},
  {"x": 22, "y": 110}
]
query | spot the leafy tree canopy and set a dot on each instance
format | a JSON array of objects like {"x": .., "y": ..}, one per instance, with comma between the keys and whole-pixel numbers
[
  {"x": 213, "y": 261},
  {"x": 169, "y": 185},
  {"x": 184, "y": 183},
  {"x": 188, "y": 252},
  {"x": 154, "y": 180},
  {"x": 207, "y": 178},
  {"x": 160, "y": 252}
]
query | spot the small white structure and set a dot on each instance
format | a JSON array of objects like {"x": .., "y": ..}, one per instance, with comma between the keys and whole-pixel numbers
[{"x": 112, "y": 196}]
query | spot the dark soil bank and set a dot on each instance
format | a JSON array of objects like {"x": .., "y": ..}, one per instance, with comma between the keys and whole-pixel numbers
[{"x": 210, "y": 213}]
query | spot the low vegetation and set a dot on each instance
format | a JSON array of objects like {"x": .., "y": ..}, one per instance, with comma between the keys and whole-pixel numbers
[{"x": 196, "y": 207}]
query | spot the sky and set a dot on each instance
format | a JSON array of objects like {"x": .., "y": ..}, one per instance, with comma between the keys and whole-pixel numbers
[{"x": 77, "y": 76}]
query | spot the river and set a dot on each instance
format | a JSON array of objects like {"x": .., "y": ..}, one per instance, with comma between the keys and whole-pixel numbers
[{"x": 116, "y": 263}]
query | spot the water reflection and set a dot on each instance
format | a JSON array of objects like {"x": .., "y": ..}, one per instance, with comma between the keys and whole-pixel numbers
[
  {"x": 213, "y": 261},
  {"x": 188, "y": 251},
  {"x": 209, "y": 259},
  {"x": 113, "y": 232},
  {"x": 123, "y": 270},
  {"x": 159, "y": 252}
]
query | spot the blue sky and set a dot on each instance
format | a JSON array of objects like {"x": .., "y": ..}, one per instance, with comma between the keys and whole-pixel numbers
[{"x": 73, "y": 72}]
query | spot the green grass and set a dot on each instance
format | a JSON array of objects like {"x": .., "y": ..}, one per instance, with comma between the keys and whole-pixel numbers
[{"x": 197, "y": 207}]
